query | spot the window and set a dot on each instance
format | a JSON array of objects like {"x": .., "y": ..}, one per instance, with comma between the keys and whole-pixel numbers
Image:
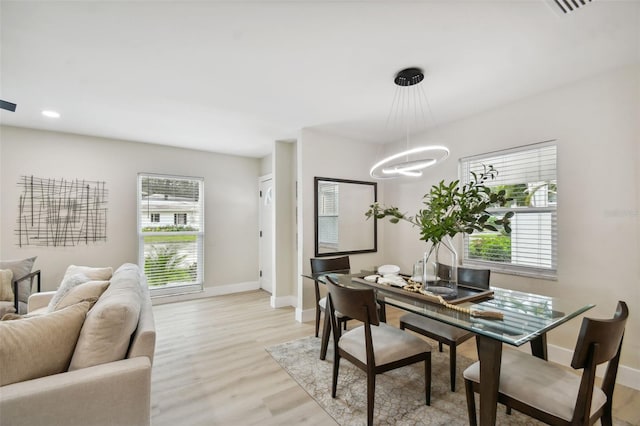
[
  {"x": 328, "y": 235},
  {"x": 179, "y": 218},
  {"x": 528, "y": 175},
  {"x": 171, "y": 253}
]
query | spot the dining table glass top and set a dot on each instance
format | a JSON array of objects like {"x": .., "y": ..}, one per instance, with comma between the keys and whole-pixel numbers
[{"x": 525, "y": 315}]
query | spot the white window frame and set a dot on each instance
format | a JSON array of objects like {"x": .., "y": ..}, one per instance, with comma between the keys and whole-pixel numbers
[
  {"x": 547, "y": 213},
  {"x": 197, "y": 284}
]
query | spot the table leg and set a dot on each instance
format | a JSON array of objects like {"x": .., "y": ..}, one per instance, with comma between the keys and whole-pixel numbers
[
  {"x": 382, "y": 314},
  {"x": 539, "y": 346},
  {"x": 490, "y": 355}
]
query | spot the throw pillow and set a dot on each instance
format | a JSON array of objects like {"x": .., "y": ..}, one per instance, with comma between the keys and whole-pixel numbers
[
  {"x": 68, "y": 282},
  {"x": 6, "y": 285},
  {"x": 106, "y": 334},
  {"x": 86, "y": 291},
  {"x": 39, "y": 346},
  {"x": 11, "y": 316},
  {"x": 93, "y": 273},
  {"x": 20, "y": 268}
]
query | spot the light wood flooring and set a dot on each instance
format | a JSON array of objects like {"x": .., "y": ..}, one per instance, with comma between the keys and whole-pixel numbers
[{"x": 211, "y": 368}]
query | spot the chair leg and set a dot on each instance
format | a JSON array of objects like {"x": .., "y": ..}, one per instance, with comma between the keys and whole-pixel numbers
[
  {"x": 326, "y": 331},
  {"x": 606, "y": 419},
  {"x": 336, "y": 368},
  {"x": 471, "y": 402},
  {"x": 371, "y": 395},
  {"x": 427, "y": 379},
  {"x": 452, "y": 366},
  {"x": 317, "y": 320}
]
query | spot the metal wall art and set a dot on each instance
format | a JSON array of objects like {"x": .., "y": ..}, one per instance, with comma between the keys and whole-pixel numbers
[{"x": 60, "y": 212}]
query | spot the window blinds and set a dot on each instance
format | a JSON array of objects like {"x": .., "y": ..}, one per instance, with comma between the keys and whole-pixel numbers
[
  {"x": 171, "y": 231},
  {"x": 528, "y": 175}
]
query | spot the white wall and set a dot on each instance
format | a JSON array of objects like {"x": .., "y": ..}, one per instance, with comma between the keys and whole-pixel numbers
[
  {"x": 595, "y": 122},
  {"x": 284, "y": 252},
  {"x": 231, "y": 201},
  {"x": 327, "y": 156}
]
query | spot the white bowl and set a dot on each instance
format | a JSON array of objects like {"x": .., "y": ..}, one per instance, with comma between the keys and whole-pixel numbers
[{"x": 388, "y": 269}]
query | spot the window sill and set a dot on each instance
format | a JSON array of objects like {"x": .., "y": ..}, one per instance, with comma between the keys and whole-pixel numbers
[{"x": 537, "y": 274}]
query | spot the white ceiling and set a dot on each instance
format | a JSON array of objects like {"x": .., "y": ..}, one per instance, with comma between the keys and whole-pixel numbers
[{"x": 233, "y": 76}]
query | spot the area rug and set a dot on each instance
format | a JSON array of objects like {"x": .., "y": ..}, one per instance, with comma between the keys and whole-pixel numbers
[{"x": 399, "y": 396}]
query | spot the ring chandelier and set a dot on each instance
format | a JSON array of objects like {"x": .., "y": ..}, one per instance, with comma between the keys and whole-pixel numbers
[
  {"x": 412, "y": 161},
  {"x": 388, "y": 168}
]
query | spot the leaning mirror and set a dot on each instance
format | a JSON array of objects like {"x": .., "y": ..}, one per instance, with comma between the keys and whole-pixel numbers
[{"x": 340, "y": 224}]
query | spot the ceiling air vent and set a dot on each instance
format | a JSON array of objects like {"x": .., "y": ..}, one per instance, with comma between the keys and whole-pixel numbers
[{"x": 567, "y": 6}]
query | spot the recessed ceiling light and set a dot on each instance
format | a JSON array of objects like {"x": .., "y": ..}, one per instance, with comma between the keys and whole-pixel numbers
[{"x": 51, "y": 114}]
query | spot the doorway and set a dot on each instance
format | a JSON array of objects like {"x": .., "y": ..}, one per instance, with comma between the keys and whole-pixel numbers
[{"x": 266, "y": 233}]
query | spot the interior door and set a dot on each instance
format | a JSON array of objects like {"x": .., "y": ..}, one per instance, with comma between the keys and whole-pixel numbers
[{"x": 266, "y": 234}]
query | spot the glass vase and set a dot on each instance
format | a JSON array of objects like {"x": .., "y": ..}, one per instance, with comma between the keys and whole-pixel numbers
[{"x": 438, "y": 277}]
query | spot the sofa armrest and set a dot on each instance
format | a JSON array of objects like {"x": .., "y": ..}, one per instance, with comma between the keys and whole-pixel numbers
[
  {"x": 16, "y": 287},
  {"x": 115, "y": 393},
  {"x": 39, "y": 300}
]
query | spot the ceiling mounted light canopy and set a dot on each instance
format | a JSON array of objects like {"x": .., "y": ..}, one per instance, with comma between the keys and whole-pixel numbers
[{"x": 409, "y": 101}]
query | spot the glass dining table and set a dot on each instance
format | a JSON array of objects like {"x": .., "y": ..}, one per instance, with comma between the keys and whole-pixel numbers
[{"x": 526, "y": 318}]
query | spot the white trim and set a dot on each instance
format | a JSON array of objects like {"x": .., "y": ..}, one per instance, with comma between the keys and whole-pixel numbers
[
  {"x": 207, "y": 292},
  {"x": 282, "y": 301},
  {"x": 233, "y": 288},
  {"x": 627, "y": 376},
  {"x": 266, "y": 177},
  {"x": 305, "y": 315}
]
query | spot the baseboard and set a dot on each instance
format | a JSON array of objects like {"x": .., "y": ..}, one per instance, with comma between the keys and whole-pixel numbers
[
  {"x": 208, "y": 292},
  {"x": 233, "y": 288},
  {"x": 305, "y": 315},
  {"x": 282, "y": 301}
]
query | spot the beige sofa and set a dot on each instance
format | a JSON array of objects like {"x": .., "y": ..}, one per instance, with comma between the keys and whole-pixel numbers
[{"x": 109, "y": 393}]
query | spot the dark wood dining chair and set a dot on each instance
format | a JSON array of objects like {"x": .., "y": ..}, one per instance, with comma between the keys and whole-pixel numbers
[
  {"x": 444, "y": 333},
  {"x": 552, "y": 394},
  {"x": 319, "y": 265},
  {"x": 374, "y": 347}
]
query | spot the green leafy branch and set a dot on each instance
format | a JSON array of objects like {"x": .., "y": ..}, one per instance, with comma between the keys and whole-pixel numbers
[{"x": 450, "y": 209}]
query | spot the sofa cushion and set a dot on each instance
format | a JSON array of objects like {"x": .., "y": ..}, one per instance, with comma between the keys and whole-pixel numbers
[
  {"x": 93, "y": 273},
  {"x": 79, "y": 293},
  {"x": 68, "y": 282},
  {"x": 20, "y": 268},
  {"x": 76, "y": 275},
  {"x": 91, "y": 290},
  {"x": 107, "y": 330},
  {"x": 6, "y": 287},
  {"x": 39, "y": 346}
]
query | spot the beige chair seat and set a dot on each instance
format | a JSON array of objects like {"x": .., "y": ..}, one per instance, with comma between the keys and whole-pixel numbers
[
  {"x": 388, "y": 344},
  {"x": 543, "y": 385},
  {"x": 323, "y": 304},
  {"x": 435, "y": 327}
]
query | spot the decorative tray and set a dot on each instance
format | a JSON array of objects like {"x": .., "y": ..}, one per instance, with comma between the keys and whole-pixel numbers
[{"x": 465, "y": 294}]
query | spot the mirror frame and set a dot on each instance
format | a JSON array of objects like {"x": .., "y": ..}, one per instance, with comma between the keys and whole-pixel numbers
[{"x": 316, "y": 180}]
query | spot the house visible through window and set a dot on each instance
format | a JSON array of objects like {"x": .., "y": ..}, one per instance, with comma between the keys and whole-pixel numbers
[
  {"x": 528, "y": 175},
  {"x": 172, "y": 253}
]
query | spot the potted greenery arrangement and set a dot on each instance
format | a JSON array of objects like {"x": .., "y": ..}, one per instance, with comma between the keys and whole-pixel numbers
[{"x": 449, "y": 210}]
